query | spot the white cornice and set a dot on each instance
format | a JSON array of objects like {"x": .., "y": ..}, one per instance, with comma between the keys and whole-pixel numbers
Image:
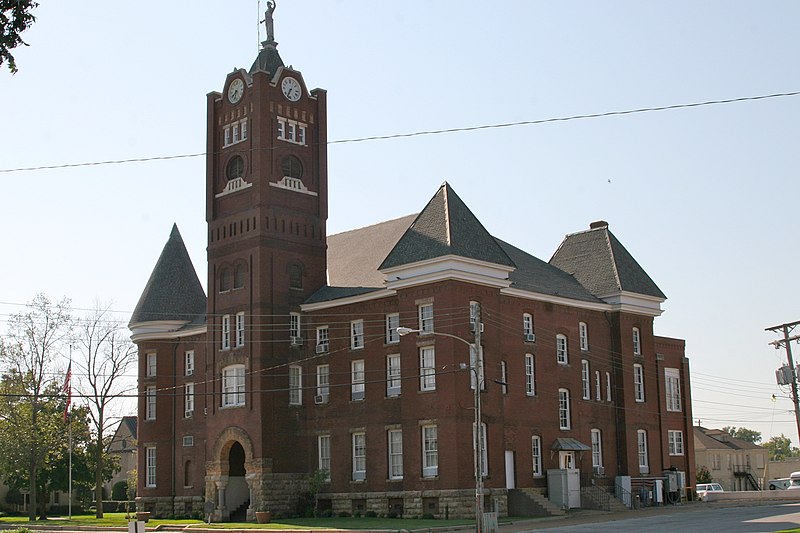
[
  {"x": 448, "y": 267},
  {"x": 366, "y": 297},
  {"x": 163, "y": 329},
  {"x": 560, "y": 300},
  {"x": 627, "y": 302}
]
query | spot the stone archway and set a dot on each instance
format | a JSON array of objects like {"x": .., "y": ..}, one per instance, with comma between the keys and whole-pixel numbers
[{"x": 230, "y": 475}]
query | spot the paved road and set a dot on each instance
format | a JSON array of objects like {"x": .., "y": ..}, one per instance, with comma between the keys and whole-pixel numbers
[{"x": 750, "y": 519}]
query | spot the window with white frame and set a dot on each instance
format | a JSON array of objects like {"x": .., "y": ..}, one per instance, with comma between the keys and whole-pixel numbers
[
  {"x": 395, "y": 444},
  {"x": 291, "y": 131},
  {"x": 715, "y": 462},
  {"x": 294, "y": 327},
  {"x": 359, "y": 456},
  {"x": 563, "y": 409},
  {"x": 295, "y": 385},
  {"x": 189, "y": 363},
  {"x": 357, "y": 380},
  {"x": 152, "y": 361},
  {"x": 583, "y": 331},
  {"x": 597, "y": 448},
  {"x": 527, "y": 326},
  {"x": 323, "y": 383},
  {"x": 530, "y": 375},
  {"x": 239, "y": 330},
  {"x": 536, "y": 452},
  {"x": 427, "y": 368},
  {"x": 641, "y": 442},
  {"x": 150, "y": 465},
  {"x": 393, "y": 381},
  {"x": 324, "y": 453},
  {"x": 188, "y": 400},
  {"x": 562, "y": 357},
  {"x": 235, "y": 132},
  {"x": 392, "y": 323},
  {"x": 430, "y": 451},
  {"x": 585, "y": 386},
  {"x": 638, "y": 383},
  {"x": 233, "y": 386},
  {"x": 637, "y": 342},
  {"x": 598, "y": 388},
  {"x": 608, "y": 386},
  {"x": 226, "y": 332},
  {"x": 675, "y": 439},
  {"x": 673, "y": 389},
  {"x": 356, "y": 334},
  {"x": 150, "y": 407},
  {"x": 322, "y": 339},
  {"x": 426, "y": 318}
]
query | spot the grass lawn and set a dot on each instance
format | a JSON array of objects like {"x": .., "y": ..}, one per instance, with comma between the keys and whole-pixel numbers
[{"x": 118, "y": 520}]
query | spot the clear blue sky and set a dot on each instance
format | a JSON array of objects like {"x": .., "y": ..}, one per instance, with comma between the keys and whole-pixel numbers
[{"x": 703, "y": 197}]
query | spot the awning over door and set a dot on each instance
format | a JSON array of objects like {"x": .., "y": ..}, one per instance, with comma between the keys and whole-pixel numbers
[{"x": 567, "y": 444}]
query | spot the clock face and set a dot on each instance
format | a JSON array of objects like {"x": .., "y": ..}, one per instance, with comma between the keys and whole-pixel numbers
[
  {"x": 291, "y": 89},
  {"x": 235, "y": 90}
]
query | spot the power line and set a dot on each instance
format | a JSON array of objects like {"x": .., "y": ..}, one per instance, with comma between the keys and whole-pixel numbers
[{"x": 433, "y": 132}]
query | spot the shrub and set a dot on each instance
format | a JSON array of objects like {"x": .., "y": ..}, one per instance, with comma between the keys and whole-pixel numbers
[
  {"x": 119, "y": 492},
  {"x": 371, "y": 514},
  {"x": 343, "y": 514}
]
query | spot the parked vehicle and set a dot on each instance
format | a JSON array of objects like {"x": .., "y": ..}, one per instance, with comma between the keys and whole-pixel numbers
[
  {"x": 794, "y": 481},
  {"x": 705, "y": 488},
  {"x": 779, "y": 484}
]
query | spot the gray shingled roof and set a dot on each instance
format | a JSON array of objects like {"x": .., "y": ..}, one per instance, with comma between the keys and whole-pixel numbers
[
  {"x": 268, "y": 60},
  {"x": 715, "y": 439},
  {"x": 446, "y": 227},
  {"x": 601, "y": 264},
  {"x": 173, "y": 291}
]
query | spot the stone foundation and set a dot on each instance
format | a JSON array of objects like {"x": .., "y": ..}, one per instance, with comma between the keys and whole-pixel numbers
[
  {"x": 440, "y": 504},
  {"x": 166, "y": 507}
]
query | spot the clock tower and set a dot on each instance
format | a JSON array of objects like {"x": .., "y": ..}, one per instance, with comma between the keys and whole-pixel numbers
[{"x": 266, "y": 209}]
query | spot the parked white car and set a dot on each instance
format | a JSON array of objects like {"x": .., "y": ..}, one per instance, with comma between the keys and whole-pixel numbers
[
  {"x": 705, "y": 488},
  {"x": 794, "y": 481},
  {"x": 779, "y": 484}
]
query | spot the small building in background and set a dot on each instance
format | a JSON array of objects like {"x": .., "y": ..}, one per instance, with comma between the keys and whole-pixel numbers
[
  {"x": 123, "y": 445},
  {"x": 735, "y": 464}
]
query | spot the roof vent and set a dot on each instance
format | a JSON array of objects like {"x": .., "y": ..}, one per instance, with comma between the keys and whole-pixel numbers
[{"x": 598, "y": 224}]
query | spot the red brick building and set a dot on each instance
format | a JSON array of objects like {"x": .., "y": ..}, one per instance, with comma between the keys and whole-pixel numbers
[{"x": 293, "y": 364}]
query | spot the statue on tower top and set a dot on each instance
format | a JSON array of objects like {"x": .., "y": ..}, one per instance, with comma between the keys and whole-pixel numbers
[{"x": 269, "y": 22}]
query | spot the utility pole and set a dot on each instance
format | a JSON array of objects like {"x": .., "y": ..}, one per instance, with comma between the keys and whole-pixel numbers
[
  {"x": 478, "y": 427},
  {"x": 786, "y": 342}
]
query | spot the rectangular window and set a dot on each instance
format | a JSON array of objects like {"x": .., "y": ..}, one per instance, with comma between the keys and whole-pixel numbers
[
  {"x": 585, "y": 380},
  {"x": 295, "y": 385},
  {"x": 427, "y": 369},
  {"x": 152, "y": 361},
  {"x": 281, "y": 129},
  {"x": 301, "y": 134},
  {"x": 527, "y": 326},
  {"x": 430, "y": 451},
  {"x": 150, "y": 465},
  {"x": 598, "y": 388},
  {"x": 637, "y": 345},
  {"x": 393, "y": 381},
  {"x": 426, "y": 318},
  {"x": 233, "y": 386},
  {"x": 236, "y": 133},
  {"x": 150, "y": 409},
  {"x": 530, "y": 375},
  {"x": 290, "y": 130},
  {"x": 638, "y": 383},
  {"x": 392, "y": 323},
  {"x": 357, "y": 380},
  {"x": 641, "y": 440},
  {"x": 189, "y": 367},
  {"x": 583, "y": 330},
  {"x": 673, "y": 389},
  {"x": 715, "y": 462},
  {"x": 395, "y": 442},
  {"x": 188, "y": 400},
  {"x": 597, "y": 448},
  {"x": 323, "y": 383},
  {"x": 356, "y": 334},
  {"x": 561, "y": 350},
  {"x": 322, "y": 339},
  {"x": 675, "y": 442},
  {"x": 244, "y": 129},
  {"x": 608, "y": 386},
  {"x": 536, "y": 452},
  {"x": 324, "y": 450},
  {"x": 226, "y": 332},
  {"x": 239, "y": 330},
  {"x": 294, "y": 327},
  {"x": 359, "y": 456},
  {"x": 188, "y": 441},
  {"x": 563, "y": 409}
]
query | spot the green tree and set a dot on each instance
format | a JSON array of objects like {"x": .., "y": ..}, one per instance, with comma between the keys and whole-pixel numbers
[
  {"x": 780, "y": 448},
  {"x": 15, "y": 18},
  {"x": 745, "y": 434},
  {"x": 703, "y": 475},
  {"x": 34, "y": 341}
]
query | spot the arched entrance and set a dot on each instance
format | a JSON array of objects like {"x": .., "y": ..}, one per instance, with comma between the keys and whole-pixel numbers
[
  {"x": 230, "y": 477},
  {"x": 238, "y": 494}
]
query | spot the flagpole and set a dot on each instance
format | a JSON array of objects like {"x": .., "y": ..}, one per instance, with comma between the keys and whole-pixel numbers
[{"x": 69, "y": 426}]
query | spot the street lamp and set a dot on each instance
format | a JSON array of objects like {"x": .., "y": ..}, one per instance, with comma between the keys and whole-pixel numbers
[{"x": 477, "y": 368}]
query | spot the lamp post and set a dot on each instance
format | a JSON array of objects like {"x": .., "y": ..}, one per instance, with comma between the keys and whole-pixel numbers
[{"x": 477, "y": 368}]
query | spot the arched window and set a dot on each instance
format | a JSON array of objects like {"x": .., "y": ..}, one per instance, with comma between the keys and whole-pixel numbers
[
  {"x": 235, "y": 168},
  {"x": 561, "y": 349},
  {"x": 292, "y": 167},
  {"x": 224, "y": 279}
]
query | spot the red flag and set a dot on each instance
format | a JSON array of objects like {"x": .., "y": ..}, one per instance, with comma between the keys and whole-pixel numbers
[{"x": 67, "y": 389}]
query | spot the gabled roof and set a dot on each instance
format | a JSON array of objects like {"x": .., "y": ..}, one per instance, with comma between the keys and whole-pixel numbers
[
  {"x": 446, "y": 227},
  {"x": 716, "y": 439},
  {"x": 268, "y": 60},
  {"x": 601, "y": 264},
  {"x": 173, "y": 291}
]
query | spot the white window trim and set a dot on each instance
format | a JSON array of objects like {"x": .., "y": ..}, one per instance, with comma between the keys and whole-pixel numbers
[
  {"x": 530, "y": 375},
  {"x": 672, "y": 389},
  {"x": 233, "y": 386},
  {"x": 323, "y": 382},
  {"x": 637, "y": 342},
  {"x": 584, "y": 336},
  {"x": 562, "y": 349},
  {"x": 608, "y": 386},
  {"x": 357, "y": 380},
  {"x": 527, "y": 324},
  {"x": 188, "y": 400},
  {"x": 295, "y": 385},
  {"x": 189, "y": 363},
  {"x": 675, "y": 442},
  {"x": 427, "y": 368},
  {"x": 226, "y": 332},
  {"x": 150, "y": 403},
  {"x": 392, "y": 323},
  {"x": 323, "y": 339},
  {"x": 294, "y": 326},
  {"x": 150, "y": 466},
  {"x": 394, "y": 382},
  {"x": 152, "y": 364},
  {"x": 425, "y": 312},
  {"x": 598, "y": 386},
  {"x": 324, "y": 453},
  {"x": 357, "y": 334},
  {"x": 638, "y": 383},
  {"x": 585, "y": 385},
  {"x": 395, "y": 451},
  {"x": 430, "y": 451},
  {"x": 536, "y": 454},
  {"x": 359, "y": 456},
  {"x": 641, "y": 445},
  {"x": 564, "y": 418},
  {"x": 239, "y": 329},
  {"x": 597, "y": 447}
]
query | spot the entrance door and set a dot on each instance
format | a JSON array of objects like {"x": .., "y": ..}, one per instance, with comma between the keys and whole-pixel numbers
[
  {"x": 510, "y": 484},
  {"x": 566, "y": 460}
]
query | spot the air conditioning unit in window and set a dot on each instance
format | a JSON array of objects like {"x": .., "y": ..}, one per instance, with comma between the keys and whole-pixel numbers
[
  {"x": 321, "y": 398},
  {"x": 190, "y": 372},
  {"x": 297, "y": 341},
  {"x": 188, "y": 414},
  {"x": 530, "y": 337},
  {"x": 322, "y": 348},
  {"x": 599, "y": 470}
]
